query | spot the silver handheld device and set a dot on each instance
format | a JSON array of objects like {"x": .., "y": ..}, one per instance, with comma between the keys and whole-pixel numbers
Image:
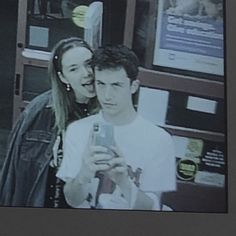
[{"x": 103, "y": 135}]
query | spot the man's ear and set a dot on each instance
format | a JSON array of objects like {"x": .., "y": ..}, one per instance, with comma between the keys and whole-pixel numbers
[
  {"x": 134, "y": 86},
  {"x": 62, "y": 78}
]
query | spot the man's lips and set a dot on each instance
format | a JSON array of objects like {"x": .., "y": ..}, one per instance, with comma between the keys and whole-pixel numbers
[{"x": 108, "y": 104}]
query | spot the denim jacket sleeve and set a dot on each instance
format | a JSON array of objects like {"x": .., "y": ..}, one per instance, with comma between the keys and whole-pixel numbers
[
  {"x": 7, "y": 178},
  {"x": 11, "y": 178}
]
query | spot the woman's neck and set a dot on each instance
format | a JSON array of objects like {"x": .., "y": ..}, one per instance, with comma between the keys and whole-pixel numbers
[{"x": 81, "y": 99}]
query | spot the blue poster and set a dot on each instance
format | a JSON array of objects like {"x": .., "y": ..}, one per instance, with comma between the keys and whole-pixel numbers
[{"x": 190, "y": 35}]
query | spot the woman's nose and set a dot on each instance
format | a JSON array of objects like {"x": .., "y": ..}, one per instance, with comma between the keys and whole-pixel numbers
[{"x": 86, "y": 71}]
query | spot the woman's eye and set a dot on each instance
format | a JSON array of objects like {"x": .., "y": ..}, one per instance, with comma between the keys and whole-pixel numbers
[{"x": 73, "y": 69}]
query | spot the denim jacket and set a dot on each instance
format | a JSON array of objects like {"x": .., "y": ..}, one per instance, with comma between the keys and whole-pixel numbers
[{"x": 24, "y": 174}]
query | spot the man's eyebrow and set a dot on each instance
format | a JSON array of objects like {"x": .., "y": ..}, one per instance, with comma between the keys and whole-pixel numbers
[
  {"x": 117, "y": 83},
  {"x": 99, "y": 81},
  {"x": 88, "y": 61}
]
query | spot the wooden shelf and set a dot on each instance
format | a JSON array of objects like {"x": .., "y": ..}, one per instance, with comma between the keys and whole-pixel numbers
[
  {"x": 194, "y": 133},
  {"x": 168, "y": 81}
]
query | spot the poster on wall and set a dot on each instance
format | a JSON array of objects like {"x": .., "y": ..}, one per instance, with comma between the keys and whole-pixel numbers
[{"x": 190, "y": 36}]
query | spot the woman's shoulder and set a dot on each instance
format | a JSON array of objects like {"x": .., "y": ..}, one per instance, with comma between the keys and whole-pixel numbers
[{"x": 39, "y": 102}]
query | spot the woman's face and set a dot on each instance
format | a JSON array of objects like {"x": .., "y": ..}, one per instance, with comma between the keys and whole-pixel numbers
[{"x": 77, "y": 73}]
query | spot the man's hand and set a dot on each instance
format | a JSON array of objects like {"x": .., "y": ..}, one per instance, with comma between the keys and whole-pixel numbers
[
  {"x": 118, "y": 168},
  {"x": 118, "y": 173},
  {"x": 95, "y": 158}
]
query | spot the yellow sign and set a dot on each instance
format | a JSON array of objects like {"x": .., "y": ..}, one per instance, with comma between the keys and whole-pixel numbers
[
  {"x": 186, "y": 169},
  {"x": 78, "y": 15}
]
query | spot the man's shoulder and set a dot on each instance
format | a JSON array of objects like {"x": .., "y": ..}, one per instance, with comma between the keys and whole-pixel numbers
[
  {"x": 152, "y": 130},
  {"x": 155, "y": 137}
]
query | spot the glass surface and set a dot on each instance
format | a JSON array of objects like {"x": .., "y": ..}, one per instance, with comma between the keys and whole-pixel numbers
[
  {"x": 188, "y": 38},
  {"x": 49, "y": 21},
  {"x": 35, "y": 82}
]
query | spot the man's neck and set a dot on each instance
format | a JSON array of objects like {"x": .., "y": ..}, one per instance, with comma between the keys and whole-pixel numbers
[{"x": 122, "y": 118}]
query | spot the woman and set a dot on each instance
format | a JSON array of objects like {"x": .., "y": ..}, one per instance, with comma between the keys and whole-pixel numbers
[{"x": 35, "y": 147}]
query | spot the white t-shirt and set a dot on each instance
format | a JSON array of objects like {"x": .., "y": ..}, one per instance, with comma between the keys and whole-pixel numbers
[{"x": 144, "y": 146}]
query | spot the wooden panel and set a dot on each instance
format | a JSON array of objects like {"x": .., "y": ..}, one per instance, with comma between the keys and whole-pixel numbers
[
  {"x": 167, "y": 81},
  {"x": 35, "y": 62},
  {"x": 151, "y": 33},
  {"x": 129, "y": 23},
  {"x": 195, "y": 133},
  {"x": 18, "y": 82}
]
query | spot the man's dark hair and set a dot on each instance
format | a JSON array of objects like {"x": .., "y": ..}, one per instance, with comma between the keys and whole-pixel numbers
[{"x": 114, "y": 57}]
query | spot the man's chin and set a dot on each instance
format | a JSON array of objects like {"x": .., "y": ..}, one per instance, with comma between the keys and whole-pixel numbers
[{"x": 109, "y": 111}]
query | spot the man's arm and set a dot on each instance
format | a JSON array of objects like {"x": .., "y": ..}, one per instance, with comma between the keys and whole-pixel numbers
[
  {"x": 148, "y": 201},
  {"x": 138, "y": 199},
  {"x": 79, "y": 166}
]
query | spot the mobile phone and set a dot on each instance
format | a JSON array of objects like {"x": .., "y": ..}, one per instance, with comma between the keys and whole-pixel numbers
[{"x": 103, "y": 135}]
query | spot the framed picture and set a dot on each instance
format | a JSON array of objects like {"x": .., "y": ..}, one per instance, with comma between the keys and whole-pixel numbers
[{"x": 190, "y": 36}]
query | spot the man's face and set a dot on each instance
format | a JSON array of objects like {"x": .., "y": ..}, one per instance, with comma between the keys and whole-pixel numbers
[
  {"x": 114, "y": 90},
  {"x": 211, "y": 9}
]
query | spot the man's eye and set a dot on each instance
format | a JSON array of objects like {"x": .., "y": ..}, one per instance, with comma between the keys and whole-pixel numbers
[
  {"x": 89, "y": 67},
  {"x": 116, "y": 85}
]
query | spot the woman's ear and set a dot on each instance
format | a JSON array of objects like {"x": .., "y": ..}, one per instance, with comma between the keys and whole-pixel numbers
[
  {"x": 134, "y": 86},
  {"x": 62, "y": 78}
]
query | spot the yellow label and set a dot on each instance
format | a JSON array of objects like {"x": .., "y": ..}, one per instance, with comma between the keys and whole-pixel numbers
[
  {"x": 186, "y": 169},
  {"x": 194, "y": 148},
  {"x": 78, "y": 15}
]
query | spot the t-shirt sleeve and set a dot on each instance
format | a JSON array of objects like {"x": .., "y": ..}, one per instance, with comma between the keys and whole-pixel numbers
[
  {"x": 159, "y": 174},
  {"x": 73, "y": 147}
]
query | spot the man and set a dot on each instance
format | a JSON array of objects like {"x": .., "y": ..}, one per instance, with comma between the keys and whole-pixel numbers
[
  {"x": 211, "y": 9},
  {"x": 183, "y": 7},
  {"x": 140, "y": 163}
]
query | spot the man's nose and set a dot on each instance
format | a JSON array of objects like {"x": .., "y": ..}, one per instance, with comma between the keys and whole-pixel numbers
[{"x": 108, "y": 93}]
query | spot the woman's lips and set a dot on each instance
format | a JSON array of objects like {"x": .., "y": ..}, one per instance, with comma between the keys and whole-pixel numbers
[{"x": 89, "y": 86}]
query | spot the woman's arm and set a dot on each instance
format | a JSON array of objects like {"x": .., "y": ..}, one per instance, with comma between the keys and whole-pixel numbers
[{"x": 7, "y": 177}]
